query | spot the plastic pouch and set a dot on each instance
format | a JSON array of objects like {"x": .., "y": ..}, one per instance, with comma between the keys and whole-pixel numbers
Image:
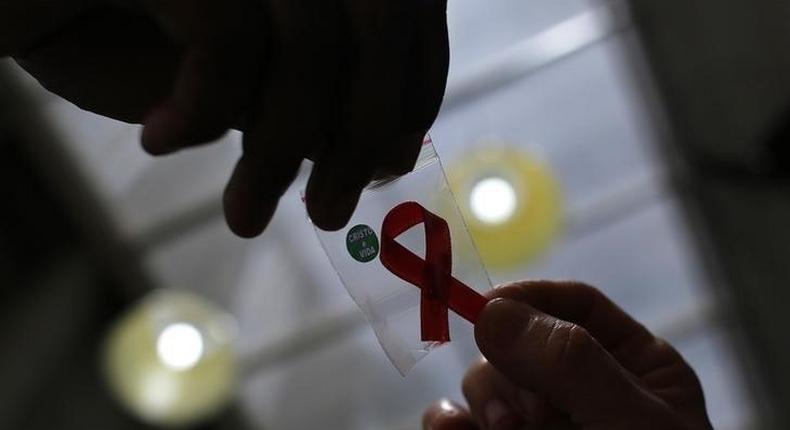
[{"x": 408, "y": 261}]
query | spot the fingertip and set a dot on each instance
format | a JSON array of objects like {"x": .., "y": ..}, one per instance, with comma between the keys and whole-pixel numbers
[
  {"x": 163, "y": 131},
  {"x": 330, "y": 216},
  {"x": 447, "y": 415},
  {"x": 331, "y": 225},
  {"x": 330, "y": 207},
  {"x": 242, "y": 228},
  {"x": 245, "y": 231},
  {"x": 246, "y": 213},
  {"x": 242, "y": 219},
  {"x": 247, "y": 218}
]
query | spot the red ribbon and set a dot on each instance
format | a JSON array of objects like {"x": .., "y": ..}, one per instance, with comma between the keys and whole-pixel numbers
[{"x": 439, "y": 289}]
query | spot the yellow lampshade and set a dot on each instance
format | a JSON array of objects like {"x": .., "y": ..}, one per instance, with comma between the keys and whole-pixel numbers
[
  {"x": 170, "y": 361},
  {"x": 511, "y": 202}
]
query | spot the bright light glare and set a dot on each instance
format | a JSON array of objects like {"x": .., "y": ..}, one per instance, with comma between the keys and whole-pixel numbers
[
  {"x": 180, "y": 346},
  {"x": 493, "y": 200}
]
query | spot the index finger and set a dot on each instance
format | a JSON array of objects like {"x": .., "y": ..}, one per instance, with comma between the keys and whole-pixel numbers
[{"x": 371, "y": 109}]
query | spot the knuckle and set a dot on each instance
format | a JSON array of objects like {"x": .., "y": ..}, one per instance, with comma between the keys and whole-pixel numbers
[
  {"x": 568, "y": 351},
  {"x": 574, "y": 346}
]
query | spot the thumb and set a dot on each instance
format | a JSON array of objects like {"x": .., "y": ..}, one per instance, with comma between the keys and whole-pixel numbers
[{"x": 561, "y": 362}]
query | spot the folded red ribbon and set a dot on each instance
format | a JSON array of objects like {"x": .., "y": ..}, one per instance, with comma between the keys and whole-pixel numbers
[{"x": 440, "y": 290}]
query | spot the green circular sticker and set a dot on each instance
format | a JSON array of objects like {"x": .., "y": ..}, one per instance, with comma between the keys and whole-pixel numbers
[{"x": 362, "y": 244}]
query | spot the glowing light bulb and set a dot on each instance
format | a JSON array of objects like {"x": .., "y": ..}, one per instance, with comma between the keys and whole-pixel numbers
[
  {"x": 180, "y": 346},
  {"x": 493, "y": 200}
]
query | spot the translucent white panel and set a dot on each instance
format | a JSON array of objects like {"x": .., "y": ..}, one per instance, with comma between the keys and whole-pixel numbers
[
  {"x": 171, "y": 185},
  {"x": 479, "y": 28},
  {"x": 580, "y": 115},
  {"x": 141, "y": 190},
  {"x": 643, "y": 262},
  {"x": 108, "y": 151},
  {"x": 350, "y": 385},
  {"x": 30, "y": 84},
  {"x": 210, "y": 262}
]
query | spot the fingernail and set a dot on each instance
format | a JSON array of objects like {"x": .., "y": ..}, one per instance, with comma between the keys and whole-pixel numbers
[
  {"x": 501, "y": 324},
  {"x": 252, "y": 224},
  {"x": 498, "y": 415}
]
